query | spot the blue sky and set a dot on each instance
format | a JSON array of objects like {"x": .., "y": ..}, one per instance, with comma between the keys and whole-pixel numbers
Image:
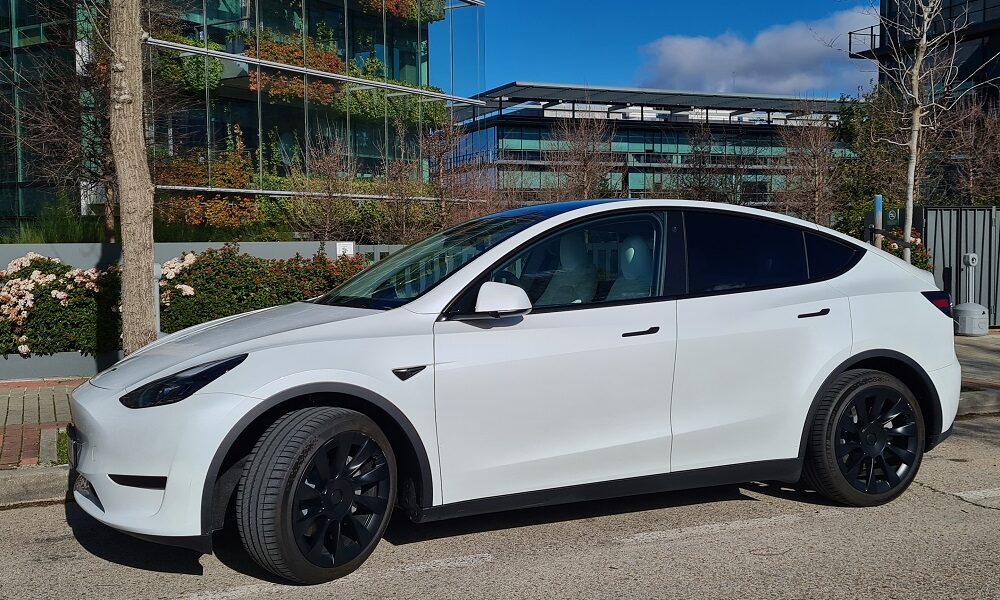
[{"x": 759, "y": 46}]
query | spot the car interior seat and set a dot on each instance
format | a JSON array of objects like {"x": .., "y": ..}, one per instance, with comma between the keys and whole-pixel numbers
[
  {"x": 575, "y": 281},
  {"x": 635, "y": 270}
]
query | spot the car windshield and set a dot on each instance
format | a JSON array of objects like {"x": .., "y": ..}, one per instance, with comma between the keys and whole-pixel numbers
[{"x": 410, "y": 272}]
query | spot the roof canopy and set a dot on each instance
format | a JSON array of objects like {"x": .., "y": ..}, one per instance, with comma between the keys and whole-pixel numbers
[{"x": 518, "y": 92}]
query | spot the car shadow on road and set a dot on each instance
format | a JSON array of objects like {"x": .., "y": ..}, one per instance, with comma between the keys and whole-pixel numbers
[
  {"x": 402, "y": 531},
  {"x": 119, "y": 548}
]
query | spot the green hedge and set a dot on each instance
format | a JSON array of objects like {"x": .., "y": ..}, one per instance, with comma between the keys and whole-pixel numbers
[
  {"x": 224, "y": 282},
  {"x": 48, "y": 307}
]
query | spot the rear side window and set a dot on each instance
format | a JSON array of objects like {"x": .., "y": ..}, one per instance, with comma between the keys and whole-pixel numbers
[
  {"x": 827, "y": 257},
  {"x": 732, "y": 252}
]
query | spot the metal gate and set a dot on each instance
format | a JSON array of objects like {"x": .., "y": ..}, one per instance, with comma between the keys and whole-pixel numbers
[{"x": 950, "y": 232}]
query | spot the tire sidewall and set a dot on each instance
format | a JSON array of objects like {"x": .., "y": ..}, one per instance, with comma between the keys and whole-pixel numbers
[
  {"x": 306, "y": 571},
  {"x": 841, "y": 405}
]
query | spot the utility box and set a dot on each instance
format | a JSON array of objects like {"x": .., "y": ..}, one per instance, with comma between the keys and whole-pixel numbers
[{"x": 971, "y": 319}]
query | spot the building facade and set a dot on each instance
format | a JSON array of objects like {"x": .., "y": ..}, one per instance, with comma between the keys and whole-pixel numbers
[
  {"x": 238, "y": 90},
  {"x": 659, "y": 142},
  {"x": 977, "y": 51}
]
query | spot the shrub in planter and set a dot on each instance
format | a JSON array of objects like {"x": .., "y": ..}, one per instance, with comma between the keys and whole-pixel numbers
[
  {"x": 48, "y": 307},
  {"x": 196, "y": 288}
]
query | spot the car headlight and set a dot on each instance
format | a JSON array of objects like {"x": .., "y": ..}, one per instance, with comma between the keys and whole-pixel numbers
[{"x": 179, "y": 386}]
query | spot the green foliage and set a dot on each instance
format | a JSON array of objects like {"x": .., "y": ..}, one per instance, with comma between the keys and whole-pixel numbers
[
  {"x": 192, "y": 72},
  {"x": 225, "y": 282},
  {"x": 876, "y": 166},
  {"x": 58, "y": 223}
]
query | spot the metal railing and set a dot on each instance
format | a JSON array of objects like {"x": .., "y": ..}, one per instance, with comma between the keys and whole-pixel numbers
[{"x": 864, "y": 40}]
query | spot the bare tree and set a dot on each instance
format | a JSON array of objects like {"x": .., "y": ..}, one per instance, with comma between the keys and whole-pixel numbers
[
  {"x": 698, "y": 177},
  {"x": 969, "y": 143},
  {"x": 923, "y": 70},
  {"x": 582, "y": 162},
  {"x": 810, "y": 167},
  {"x": 465, "y": 186},
  {"x": 325, "y": 204}
]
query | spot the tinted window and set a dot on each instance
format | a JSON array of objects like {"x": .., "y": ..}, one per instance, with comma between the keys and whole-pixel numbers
[
  {"x": 606, "y": 260},
  {"x": 729, "y": 252},
  {"x": 827, "y": 257}
]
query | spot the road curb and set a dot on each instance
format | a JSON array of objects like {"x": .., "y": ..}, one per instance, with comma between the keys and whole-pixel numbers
[
  {"x": 976, "y": 400},
  {"x": 30, "y": 486}
]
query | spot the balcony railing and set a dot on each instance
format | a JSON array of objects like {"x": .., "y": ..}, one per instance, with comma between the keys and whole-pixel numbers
[{"x": 861, "y": 42}]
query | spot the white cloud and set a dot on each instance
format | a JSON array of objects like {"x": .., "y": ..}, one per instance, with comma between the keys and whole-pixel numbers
[{"x": 793, "y": 59}]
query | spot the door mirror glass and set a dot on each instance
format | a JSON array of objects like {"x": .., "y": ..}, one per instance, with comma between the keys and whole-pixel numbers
[{"x": 498, "y": 300}]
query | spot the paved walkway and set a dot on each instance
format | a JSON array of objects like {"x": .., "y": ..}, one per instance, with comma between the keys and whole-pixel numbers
[
  {"x": 31, "y": 415},
  {"x": 32, "y": 412}
]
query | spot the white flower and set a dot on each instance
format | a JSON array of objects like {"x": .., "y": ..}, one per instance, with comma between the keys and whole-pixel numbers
[
  {"x": 24, "y": 349},
  {"x": 186, "y": 290}
]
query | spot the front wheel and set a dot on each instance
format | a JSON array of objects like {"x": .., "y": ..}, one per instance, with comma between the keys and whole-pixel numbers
[
  {"x": 866, "y": 440},
  {"x": 316, "y": 494}
]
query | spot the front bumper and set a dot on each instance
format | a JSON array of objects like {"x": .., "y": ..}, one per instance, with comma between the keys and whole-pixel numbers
[{"x": 146, "y": 468}]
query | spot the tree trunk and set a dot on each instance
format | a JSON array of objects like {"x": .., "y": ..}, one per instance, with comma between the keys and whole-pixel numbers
[
  {"x": 135, "y": 188},
  {"x": 109, "y": 212},
  {"x": 916, "y": 116}
]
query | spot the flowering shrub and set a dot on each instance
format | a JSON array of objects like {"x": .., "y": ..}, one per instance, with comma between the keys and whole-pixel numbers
[
  {"x": 919, "y": 256},
  {"x": 196, "y": 288},
  {"x": 48, "y": 307}
]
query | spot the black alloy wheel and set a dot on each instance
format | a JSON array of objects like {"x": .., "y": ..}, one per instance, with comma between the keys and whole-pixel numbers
[
  {"x": 341, "y": 499},
  {"x": 316, "y": 494},
  {"x": 866, "y": 440},
  {"x": 877, "y": 440}
]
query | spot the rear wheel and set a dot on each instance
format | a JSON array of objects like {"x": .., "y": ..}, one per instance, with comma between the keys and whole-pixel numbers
[
  {"x": 866, "y": 440},
  {"x": 316, "y": 494}
]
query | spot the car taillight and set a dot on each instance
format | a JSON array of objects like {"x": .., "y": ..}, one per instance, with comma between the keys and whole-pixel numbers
[{"x": 942, "y": 300}]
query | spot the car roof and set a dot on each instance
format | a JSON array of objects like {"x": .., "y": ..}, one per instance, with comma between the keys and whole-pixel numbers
[{"x": 542, "y": 212}]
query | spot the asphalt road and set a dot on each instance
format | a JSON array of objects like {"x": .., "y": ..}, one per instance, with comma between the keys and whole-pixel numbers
[{"x": 940, "y": 539}]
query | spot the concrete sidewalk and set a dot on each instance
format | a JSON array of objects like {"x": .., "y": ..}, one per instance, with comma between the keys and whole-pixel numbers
[{"x": 980, "y": 358}]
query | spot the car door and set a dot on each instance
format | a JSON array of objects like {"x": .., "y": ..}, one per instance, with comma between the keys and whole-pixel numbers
[
  {"x": 577, "y": 391},
  {"x": 754, "y": 334}
]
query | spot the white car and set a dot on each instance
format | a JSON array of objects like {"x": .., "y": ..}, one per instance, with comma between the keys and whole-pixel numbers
[{"x": 547, "y": 354}]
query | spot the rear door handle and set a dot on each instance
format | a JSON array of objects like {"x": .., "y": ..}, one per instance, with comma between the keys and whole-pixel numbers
[
  {"x": 649, "y": 331},
  {"x": 818, "y": 313}
]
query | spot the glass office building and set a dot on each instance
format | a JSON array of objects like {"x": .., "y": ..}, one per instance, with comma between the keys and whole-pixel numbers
[
  {"x": 977, "y": 51},
  {"x": 659, "y": 140},
  {"x": 238, "y": 90}
]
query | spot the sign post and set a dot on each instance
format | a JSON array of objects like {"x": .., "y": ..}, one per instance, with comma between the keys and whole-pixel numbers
[{"x": 878, "y": 221}]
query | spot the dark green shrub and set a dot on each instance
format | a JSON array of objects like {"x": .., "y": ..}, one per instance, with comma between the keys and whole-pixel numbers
[{"x": 223, "y": 282}]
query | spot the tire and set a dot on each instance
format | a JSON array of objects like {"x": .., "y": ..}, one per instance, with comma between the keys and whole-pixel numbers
[
  {"x": 299, "y": 514},
  {"x": 866, "y": 440}
]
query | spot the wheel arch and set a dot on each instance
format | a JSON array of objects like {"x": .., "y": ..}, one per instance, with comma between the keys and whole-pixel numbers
[
  {"x": 416, "y": 480},
  {"x": 898, "y": 365}
]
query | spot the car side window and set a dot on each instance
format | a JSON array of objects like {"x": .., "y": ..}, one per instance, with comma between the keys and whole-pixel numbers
[
  {"x": 827, "y": 256},
  {"x": 733, "y": 252},
  {"x": 606, "y": 260}
]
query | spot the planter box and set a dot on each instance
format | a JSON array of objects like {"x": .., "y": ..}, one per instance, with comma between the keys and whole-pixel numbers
[{"x": 63, "y": 364}]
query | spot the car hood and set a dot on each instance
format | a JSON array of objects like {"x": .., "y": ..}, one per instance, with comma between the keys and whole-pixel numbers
[{"x": 234, "y": 332}]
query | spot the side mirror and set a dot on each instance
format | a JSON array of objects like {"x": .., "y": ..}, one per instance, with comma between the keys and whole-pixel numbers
[{"x": 499, "y": 300}]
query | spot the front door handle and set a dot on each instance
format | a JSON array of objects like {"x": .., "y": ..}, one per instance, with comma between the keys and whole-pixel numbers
[
  {"x": 818, "y": 313},
  {"x": 649, "y": 331}
]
